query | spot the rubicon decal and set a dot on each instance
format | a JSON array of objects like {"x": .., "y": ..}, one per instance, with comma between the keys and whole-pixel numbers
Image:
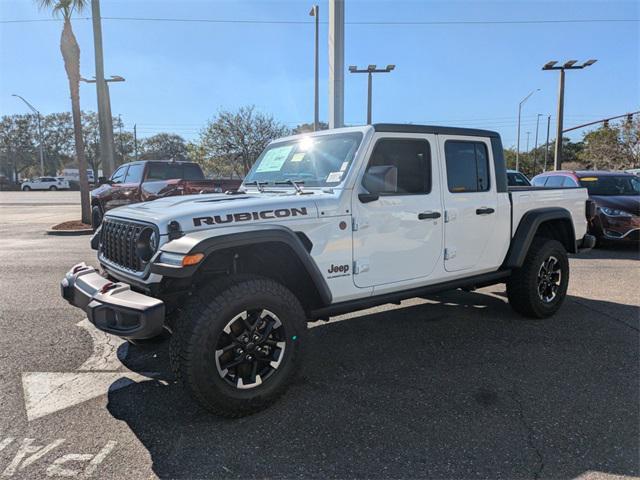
[{"x": 249, "y": 216}]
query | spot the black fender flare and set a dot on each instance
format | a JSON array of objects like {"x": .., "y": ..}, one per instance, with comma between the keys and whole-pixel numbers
[
  {"x": 274, "y": 233},
  {"x": 528, "y": 228}
]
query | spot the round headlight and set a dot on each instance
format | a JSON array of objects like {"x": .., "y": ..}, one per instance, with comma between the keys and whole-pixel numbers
[{"x": 146, "y": 244}]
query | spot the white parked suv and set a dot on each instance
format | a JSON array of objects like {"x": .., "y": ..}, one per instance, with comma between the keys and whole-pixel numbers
[
  {"x": 45, "y": 183},
  {"x": 324, "y": 224}
]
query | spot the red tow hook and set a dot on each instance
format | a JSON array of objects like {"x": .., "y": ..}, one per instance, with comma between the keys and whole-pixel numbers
[{"x": 107, "y": 287}]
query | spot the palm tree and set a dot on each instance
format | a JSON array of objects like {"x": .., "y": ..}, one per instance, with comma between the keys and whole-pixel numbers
[{"x": 71, "y": 56}]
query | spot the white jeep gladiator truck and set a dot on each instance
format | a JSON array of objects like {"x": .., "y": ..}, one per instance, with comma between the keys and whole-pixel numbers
[{"x": 324, "y": 224}]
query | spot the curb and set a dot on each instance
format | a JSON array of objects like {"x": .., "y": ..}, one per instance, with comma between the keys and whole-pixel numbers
[{"x": 69, "y": 233}]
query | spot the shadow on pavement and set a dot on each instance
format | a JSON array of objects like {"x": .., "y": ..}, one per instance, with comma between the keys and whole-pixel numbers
[
  {"x": 625, "y": 251},
  {"x": 460, "y": 388}
]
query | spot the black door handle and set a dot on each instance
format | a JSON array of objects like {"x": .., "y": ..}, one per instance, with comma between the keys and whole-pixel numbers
[
  {"x": 484, "y": 211},
  {"x": 426, "y": 215}
]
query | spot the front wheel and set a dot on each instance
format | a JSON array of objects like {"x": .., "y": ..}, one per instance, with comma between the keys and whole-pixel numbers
[
  {"x": 538, "y": 288},
  {"x": 237, "y": 344},
  {"x": 26, "y": 188},
  {"x": 53, "y": 188},
  {"x": 96, "y": 217}
]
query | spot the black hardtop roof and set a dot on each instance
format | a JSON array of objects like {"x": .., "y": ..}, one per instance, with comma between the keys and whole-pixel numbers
[{"x": 411, "y": 128}]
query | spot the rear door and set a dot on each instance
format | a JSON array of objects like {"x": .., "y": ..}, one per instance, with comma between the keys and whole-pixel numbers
[
  {"x": 398, "y": 237},
  {"x": 470, "y": 199}
]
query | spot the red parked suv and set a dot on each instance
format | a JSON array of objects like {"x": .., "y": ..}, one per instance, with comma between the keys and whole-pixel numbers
[
  {"x": 147, "y": 180},
  {"x": 617, "y": 196}
]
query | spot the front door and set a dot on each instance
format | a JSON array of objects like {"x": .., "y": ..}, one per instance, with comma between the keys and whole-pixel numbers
[
  {"x": 398, "y": 236},
  {"x": 470, "y": 199}
]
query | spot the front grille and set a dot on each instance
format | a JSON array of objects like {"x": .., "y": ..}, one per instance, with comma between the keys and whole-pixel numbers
[{"x": 118, "y": 240}]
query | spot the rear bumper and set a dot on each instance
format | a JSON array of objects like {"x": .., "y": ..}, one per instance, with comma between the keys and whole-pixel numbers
[{"x": 112, "y": 306}]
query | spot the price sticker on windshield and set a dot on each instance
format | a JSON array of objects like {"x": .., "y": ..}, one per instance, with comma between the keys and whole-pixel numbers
[{"x": 274, "y": 159}]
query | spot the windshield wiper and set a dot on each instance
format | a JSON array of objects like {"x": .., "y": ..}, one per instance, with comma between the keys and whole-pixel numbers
[
  {"x": 257, "y": 184},
  {"x": 295, "y": 183}
]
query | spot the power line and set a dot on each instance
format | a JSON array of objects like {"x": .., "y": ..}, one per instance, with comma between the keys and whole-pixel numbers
[{"x": 305, "y": 22}]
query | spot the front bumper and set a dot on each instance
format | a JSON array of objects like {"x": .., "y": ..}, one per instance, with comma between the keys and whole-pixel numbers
[{"x": 112, "y": 306}]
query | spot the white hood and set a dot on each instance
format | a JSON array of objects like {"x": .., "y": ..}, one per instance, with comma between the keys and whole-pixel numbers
[{"x": 199, "y": 212}]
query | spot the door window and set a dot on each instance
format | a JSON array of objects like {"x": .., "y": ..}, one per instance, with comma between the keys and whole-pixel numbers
[
  {"x": 134, "y": 174},
  {"x": 569, "y": 182},
  {"x": 405, "y": 162},
  {"x": 539, "y": 181},
  {"x": 118, "y": 175},
  {"x": 467, "y": 166}
]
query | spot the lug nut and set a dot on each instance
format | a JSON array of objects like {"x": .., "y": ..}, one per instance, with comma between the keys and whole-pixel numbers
[
  {"x": 256, "y": 337},
  {"x": 249, "y": 357},
  {"x": 239, "y": 351}
]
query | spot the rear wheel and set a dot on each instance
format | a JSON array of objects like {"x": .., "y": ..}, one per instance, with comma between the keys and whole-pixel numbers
[
  {"x": 26, "y": 188},
  {"x": 53, "y": 187},
  {"x": 237, "y": 344},
  {"x": 538, "y": 288}
]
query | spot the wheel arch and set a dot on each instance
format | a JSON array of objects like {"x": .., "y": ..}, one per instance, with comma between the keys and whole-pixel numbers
[
  {"x": 552, "y": 223},
  {"x": 275, "y": 252}
]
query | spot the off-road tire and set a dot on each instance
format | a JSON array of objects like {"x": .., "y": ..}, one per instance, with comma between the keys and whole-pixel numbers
[
  {"x": 522, "y": 286},
  {"x": 199, "y": 324},
  {"x": 96, "y": 217}
]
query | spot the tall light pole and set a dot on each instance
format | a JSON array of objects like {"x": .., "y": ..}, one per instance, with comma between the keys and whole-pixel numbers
[
  {"x": 519, "y": 112},
  {"x": 570, "y": 65},
  {"x": 336, "y": 63},
  {"x": 528, "y": 133},
  {"x": 315, "y": 11},
  {"x": 546, "y": 146},
  {"x": 370, "y": 70},
  {"x": 39, "y": 118},
  {"x": 535, "y": 149}
]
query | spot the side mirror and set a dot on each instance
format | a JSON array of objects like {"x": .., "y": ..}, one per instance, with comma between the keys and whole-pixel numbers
[
  {"x": 378, "y": 180},
  {"x": 103, "y": 180}
]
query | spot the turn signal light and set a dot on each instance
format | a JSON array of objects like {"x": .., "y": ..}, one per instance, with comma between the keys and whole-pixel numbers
[{"x": 192, "y": 259}]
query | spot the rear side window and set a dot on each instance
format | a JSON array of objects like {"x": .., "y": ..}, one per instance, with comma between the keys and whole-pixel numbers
[
  {"x": 467, "y": 166},
  {"x": 569, "y": 182},
  {"x": 134, "y": 174},
  {"x": 192, "y": 172},
  {"x": 412, "y": 161},
  {"x": 554, "y": 181}
]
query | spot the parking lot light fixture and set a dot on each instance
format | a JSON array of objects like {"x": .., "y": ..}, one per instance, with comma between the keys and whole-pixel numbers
[
  {"x": 39, "y": 119},
  {"x": 569, "y": 65},
  {"x": 371, "y": 69}
]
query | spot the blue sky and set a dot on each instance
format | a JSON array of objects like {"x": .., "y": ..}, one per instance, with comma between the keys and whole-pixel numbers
[{"x": 178, "y": 75}]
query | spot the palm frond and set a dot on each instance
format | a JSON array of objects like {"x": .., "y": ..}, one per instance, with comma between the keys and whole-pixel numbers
[{"x": 62, "y": 7}]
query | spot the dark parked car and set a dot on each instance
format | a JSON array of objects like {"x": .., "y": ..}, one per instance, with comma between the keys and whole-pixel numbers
[
  {"x": 617, "y": 196},
  {"x": 517, "y": 179},
  {"x": 149, "y": 180}
]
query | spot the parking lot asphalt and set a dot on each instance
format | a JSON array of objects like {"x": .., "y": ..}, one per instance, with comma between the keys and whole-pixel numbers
[{"x": 454, "y": 386}]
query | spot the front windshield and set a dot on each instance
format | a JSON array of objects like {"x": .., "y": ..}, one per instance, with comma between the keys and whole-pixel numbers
[
  {"x": 611, "y": 185},
  {"x": 314, "y": 161}
]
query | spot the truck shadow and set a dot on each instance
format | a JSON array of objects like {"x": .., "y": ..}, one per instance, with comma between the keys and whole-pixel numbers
[{"x": 460, "y": 387}]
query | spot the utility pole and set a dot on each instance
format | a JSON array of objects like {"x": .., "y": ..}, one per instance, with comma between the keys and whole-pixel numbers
[
  {"x": 535, "y": 149},
  {"x": 315, "y": 12},
  {"x": 135, "y": 141},
  {"x": 40, "y": 142},
  {"x": 104, "y": 118},
  {"x": 121, "y": 142},
  {"x": 370, "y": 70},
  {"x": 336, "y": 63},
  {"x": 518, "y": 136},
  {"x": 546, "y": 147},
  {"x": 570, "y": 65}
]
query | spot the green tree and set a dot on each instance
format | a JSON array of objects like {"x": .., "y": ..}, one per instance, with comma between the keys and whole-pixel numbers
[
  {"x": 308, "y": 127},
  {"x": 71, "y": 55},
  {"x": 613, "y": 147},
  {"x": 164, "y": 146},
  {"x": 18, "y": 146},
  {"x": 236, "y": 139}
]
